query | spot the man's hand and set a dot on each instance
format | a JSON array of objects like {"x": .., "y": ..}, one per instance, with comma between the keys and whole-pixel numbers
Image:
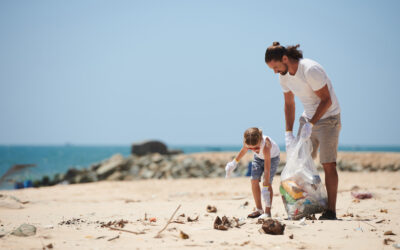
[
  {"x": 289, "y": 138},
  {"x": 306, "y": 130},
  {"x": 229, "y": 168}
]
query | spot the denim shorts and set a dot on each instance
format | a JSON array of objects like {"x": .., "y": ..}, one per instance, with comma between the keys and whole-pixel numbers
[{"x": 257, "y": 168}]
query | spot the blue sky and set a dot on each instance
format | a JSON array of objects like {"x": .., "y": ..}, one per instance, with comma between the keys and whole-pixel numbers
[{"x": 188, "y": 72}]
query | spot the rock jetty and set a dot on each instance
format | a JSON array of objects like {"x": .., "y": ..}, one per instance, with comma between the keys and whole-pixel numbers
[{"x": 201, "y": 165}]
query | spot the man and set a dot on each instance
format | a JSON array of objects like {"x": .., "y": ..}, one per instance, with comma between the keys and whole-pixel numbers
[{"x": 320, "y": 120}]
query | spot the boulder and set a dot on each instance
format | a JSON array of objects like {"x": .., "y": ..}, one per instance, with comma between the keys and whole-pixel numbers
[
  {"x": 148, "y": 147},
  {"x": 108, "y": 167}
]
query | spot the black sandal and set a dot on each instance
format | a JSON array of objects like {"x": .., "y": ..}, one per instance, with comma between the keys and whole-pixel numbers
[{"x": 254, "y": 214}]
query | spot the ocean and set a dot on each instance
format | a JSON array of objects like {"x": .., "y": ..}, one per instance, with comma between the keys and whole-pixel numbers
[{"x": 50, "y": 160}]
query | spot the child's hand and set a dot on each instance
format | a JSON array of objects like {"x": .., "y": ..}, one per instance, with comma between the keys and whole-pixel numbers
[
  {"x": 229, "y": 168},
  {"x": 266, "y": 196},
  {"x": 266, "y": 184}
]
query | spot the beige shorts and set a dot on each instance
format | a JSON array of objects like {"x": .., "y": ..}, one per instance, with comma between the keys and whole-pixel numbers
[{"x": 325, "y": 135}]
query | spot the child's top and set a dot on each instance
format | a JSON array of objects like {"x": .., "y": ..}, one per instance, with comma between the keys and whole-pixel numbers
[{"x": 275, "y": 151}]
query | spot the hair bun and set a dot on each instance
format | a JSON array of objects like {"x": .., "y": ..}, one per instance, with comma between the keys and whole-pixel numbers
[{"x": 276, "y": 44}]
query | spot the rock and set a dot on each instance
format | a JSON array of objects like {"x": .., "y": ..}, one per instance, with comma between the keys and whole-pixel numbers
[
  {"x": 116, "y": 176},
  {"x": 7, "y": 201},
  {"x": 148, "y": 147},
  {"x": 88, "y": 176},
  {"x": 157, "y": 158},
  {"x": 211, "y": 209},
  {"x": 274, "y": 227},
  {"x": 134, "y": 170},
  {"x": 71, "y": 173},
  {"x": 24, "y": 230},
  {"x": 110, "y": 166}
]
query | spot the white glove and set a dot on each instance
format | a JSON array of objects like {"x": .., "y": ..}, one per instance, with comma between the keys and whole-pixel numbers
[
  {"x": 266, "y": 196},
  {"x": 306, "y": 130},
  {"x": 229, "y": 168},
  {"x": 289, "y": 138}
]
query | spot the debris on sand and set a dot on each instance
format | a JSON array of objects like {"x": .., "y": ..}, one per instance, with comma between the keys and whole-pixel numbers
[
  {"x": 291, "y": 236},
  {"x": 24, "y": 230},
  {"x": 387, "y": 241},
  {"x": 380, "y": 221},
  {"x": 244, "y": 205},
  {"x": 168, "y": 222},
  {"x": 384, "y": 211},
  {"x": 131, "y": 200},
  {"x": 389, "y": 233},
  {"x": 192, "y": 220},
  {"x": 225, "y": 223},
  {"x": 183, "y": 235},
  {"x": 73, "y": 221},
  {"x": 211, "y": 209},
  {"x": 245, "y": 243},
  {"x": 153, "y": 219},
  {"x": 9, "y": 201},
  {"x": 219, "y": 225},
  {"x": 117, "y": 223},
  {"x": 361, "y": 195},
  {"x": 274, "y": 227},
  {"x": 49, "y": 246},
  {"x": 113, "y": 238}
]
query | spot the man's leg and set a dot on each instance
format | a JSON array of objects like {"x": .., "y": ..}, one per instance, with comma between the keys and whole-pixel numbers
[
  {"x": 328, "y": 135},
  {"x": 331, "y": 182}
]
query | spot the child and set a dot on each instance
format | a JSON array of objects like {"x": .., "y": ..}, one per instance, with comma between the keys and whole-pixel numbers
[{"x": 266, "y": 157}]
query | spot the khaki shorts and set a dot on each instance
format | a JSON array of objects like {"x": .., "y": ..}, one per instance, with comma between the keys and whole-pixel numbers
[{"x": 325, "y": 134}]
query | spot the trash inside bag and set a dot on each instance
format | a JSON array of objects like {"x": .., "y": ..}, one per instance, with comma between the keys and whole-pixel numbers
[{"x": 302, "y": 191}]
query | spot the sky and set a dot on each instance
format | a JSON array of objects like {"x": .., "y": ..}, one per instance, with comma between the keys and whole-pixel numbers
[{"x": 188, "y": 72}]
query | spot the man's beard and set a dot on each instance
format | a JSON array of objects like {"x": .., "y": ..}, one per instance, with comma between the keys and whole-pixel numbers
[{"x": 286, "y": 70}]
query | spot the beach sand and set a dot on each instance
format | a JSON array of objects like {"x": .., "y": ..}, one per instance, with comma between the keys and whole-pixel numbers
[{"x": 50, "y": 208}]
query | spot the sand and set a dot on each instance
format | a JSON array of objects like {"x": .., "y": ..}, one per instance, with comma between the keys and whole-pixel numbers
[{"x": 49, "y": 208}]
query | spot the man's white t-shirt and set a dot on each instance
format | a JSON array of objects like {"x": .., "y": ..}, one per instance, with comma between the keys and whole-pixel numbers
[{"x": 310, "y": 77}]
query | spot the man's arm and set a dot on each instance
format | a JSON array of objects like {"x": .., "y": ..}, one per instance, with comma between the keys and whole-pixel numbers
[
  {"x": 290, "y": 108},
  {"x": 324, "y": 105}
]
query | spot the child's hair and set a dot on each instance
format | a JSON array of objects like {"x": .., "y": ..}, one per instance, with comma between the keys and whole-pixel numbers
[{"x": 252, "y": 136}]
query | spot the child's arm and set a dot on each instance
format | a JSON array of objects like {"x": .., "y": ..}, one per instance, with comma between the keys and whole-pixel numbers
[
  {"x": 232, "y": 165},
  {"x": 267, "y": 163},
  {"x": 242, "y": 152}
]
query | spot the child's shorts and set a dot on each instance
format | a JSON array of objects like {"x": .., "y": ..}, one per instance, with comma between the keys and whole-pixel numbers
[{"x": 257, "y": 168}]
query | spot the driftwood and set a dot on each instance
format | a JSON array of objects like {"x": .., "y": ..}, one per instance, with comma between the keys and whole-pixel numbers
[
  {"x": 123, "y": 230},
  {"x": 169, "y": 221}
]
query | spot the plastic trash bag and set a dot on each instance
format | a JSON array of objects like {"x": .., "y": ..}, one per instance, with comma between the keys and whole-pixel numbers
[{"x": 301, "y": 188}]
